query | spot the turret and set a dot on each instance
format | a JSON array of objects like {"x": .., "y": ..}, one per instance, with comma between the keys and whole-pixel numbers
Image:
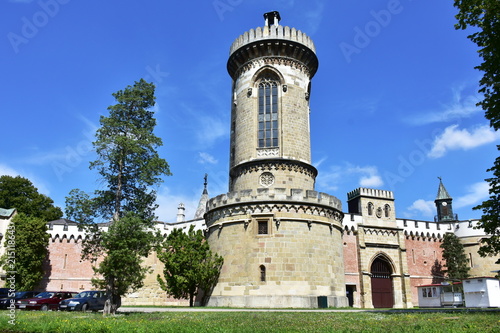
[
  {"x": 271, "y": 68},
  {"x": 444, "y": 205}
]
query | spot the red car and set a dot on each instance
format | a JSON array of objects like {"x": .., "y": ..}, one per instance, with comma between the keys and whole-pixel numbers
[{"x": 47, "y": 300}]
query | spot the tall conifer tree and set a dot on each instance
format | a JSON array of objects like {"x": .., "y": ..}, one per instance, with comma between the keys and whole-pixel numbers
[
  {"x": 457, "y": 267},
  {"x": 130, "y": 169}
]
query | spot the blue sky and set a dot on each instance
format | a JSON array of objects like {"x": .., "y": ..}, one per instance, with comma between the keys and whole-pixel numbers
[{"x": 392, "y": 104}]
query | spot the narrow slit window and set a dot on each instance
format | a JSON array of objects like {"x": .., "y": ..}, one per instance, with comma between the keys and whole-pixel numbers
[{"x": 262, "y": 273}]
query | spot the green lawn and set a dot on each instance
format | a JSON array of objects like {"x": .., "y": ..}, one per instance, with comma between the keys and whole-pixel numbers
[{"x": 453, "y": 321}]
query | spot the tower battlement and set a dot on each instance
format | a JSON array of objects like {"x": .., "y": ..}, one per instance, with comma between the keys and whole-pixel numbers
[
  {"x": 274, "y": 194},
  {"x": 370, "y": 192},
  {"x": 272, "y": 32},
  {"x": 272, "y": 40}
]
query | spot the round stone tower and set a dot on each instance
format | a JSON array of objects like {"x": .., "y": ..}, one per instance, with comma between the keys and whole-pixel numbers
[{"x": 280, "y": 239}]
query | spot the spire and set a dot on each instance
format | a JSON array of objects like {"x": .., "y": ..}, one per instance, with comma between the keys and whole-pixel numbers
[
  {"x": 442, "y": 193},
  {"x": 444, "y": 205},
  {"x": 202, "y": 205},
  {"x": 205, "y": 184}
]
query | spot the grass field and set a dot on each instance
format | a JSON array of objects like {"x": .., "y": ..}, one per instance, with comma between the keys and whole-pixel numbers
[{"x": 454, "y": 321}]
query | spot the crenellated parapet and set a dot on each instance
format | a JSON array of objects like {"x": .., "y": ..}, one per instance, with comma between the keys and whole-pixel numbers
[
  {"x": 274, "y": 200},
  {"x": 65, "y": 229},
  {"x": 272, "y": 42},
  {"x": 370, "y": 192},
  {"x": 272, "y": 32}
]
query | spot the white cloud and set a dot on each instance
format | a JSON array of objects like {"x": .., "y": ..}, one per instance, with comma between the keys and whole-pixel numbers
[
  {"x": 423, "y": 207},
  {"x": 459, "y": 107},
  {"x": 368, "y": 176},
  {"x": 477, "y": 193},
  {"x": 318, "y": 163},
  {"x": 454, "y": 139},
  {"x": 8, "y": 171},
  {"x": 314, "y": 17},
  {"x": 206, "y": 158},
  {"x": 5, "y": 170},
  {"x": 210, "y": 130}
]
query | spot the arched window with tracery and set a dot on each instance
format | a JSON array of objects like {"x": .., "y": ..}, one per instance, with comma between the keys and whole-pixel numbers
[{"x": 268, "y": 112}]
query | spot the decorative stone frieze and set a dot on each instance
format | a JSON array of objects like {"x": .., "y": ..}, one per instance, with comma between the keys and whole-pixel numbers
[{"x": 274, "y": 165}]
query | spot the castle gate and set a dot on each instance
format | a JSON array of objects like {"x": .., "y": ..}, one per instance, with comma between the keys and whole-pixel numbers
[{"x": 382, "y": 290}]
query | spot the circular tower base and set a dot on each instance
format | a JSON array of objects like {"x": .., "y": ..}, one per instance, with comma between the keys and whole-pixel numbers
[{"x": 278, "y": 301}]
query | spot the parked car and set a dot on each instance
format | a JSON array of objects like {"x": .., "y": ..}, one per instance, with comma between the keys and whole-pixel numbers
[
  {"x": 47, "y": 300},
  {"x": 86, "y": 300},
  {"x": 4, "y": 292},
  {"x": 6, "y": 301}
]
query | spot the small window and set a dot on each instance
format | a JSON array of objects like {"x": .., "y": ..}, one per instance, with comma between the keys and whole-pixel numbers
[
  {"x": 370, "y": 208},
  {"x": 262, "y": 273},
  {"x": 263, "y": 228},
  {"x": 387, "y": 210}
]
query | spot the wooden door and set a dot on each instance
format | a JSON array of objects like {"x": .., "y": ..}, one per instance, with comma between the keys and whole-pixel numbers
[{"x": 382, "y": 292}]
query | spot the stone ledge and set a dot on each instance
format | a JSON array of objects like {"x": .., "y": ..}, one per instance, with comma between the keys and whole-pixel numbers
[
  {"x": 273, "y": 195},
  {"x": 279, "y": 301}
]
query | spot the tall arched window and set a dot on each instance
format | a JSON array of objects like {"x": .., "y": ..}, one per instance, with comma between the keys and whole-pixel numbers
[{"x": 268, "y": 113}]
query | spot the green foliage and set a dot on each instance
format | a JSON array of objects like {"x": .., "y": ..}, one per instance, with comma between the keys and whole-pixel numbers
[
  {"x": 124, "y": 245},
  {"x": 127, "y": 161},
  {"x": 20, "y": 193},
  {"x": 457, "y": 267},
  {"x": 26, "y": 246},
  {"x": 437, "y": 272},
  {"x": 80, "y": 207},
  {"x": 190, "y": 266},
  {"x": 130, "y": 169},
  {"x": 490, "y": 220},
  {"x": 484, "y": 17}
]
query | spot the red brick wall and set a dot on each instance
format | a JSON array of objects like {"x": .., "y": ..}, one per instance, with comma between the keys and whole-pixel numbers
[
  {"x": 422, "y": 254},
  {"x": 65, "y": 270}
]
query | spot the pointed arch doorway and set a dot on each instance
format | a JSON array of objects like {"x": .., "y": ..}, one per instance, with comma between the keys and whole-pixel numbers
[{"x": 381, "y": 280}]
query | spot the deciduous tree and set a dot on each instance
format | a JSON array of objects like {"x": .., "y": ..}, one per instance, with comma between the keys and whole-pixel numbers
[
  {"x": 20, "y": 193},
  {"x": 26, "y": 247},
  {"x": 483, "y": 16},
  {"x": 190, "y": 265}
]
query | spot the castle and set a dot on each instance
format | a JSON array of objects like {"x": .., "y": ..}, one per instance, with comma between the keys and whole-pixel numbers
[{"x": 284, "y": 244}]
